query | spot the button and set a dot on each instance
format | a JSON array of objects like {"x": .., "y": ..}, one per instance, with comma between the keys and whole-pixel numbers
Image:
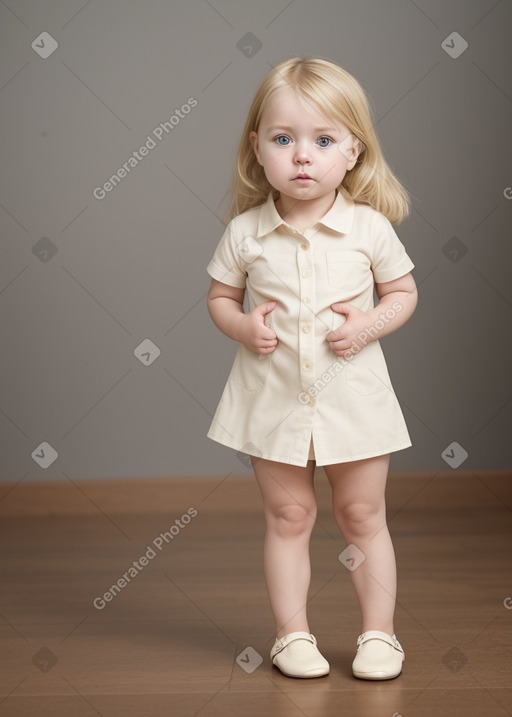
[
  {"x": 305, "y": 329},
  {"x": 307, "y": 365},
  {"x": 306, "y": 274},
  {"x": 312, "y": 401},
  {"x": 306, "y": 299},
  {"x": 304, "y": 246},
  {"x": 262, "y": 356}
]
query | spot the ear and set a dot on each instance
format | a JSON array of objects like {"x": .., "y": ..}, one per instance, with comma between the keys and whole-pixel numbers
[
  {"x": 253, "y": 137},
  {"x": 354, "y": 148},
  {"x": 351, "y": 147}
]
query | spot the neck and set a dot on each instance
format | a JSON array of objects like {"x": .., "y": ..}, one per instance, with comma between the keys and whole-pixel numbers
[{"x": 299, "y": 213}]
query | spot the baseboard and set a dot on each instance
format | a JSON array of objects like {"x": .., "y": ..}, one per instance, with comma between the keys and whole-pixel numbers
[{"x": 425, "y": 489}]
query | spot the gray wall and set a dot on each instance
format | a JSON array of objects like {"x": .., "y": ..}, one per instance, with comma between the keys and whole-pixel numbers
[{"x": 83, "y": 280}]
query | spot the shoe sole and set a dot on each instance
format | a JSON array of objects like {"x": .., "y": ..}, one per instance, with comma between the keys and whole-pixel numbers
[
  {"x": 375, "y": 675},
  {"x": 301, "y": 677}
]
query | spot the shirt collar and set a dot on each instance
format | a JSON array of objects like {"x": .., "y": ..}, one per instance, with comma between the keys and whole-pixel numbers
[{"x": 339, "y": 218}]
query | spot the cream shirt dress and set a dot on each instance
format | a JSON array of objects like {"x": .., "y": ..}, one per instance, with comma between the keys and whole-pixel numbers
[{"x": 302, "y": 401}]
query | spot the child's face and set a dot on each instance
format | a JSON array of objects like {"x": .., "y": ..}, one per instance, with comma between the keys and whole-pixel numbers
[{"x": 294, "y": 138}]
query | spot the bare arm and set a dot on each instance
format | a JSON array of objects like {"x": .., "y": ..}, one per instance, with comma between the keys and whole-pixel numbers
[
  {"x": 399, "y": 296},
  {"x": 225, "y": 305},
  {"x": 398, "y": 300}
]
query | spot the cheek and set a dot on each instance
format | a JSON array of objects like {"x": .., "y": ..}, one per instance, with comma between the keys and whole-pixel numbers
[
  {"x": 272, "y": 162},
  {"x": 340, "y": 166}
]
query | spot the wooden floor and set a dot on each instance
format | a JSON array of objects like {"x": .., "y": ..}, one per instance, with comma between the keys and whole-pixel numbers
[{"x": 189, "y": 633}]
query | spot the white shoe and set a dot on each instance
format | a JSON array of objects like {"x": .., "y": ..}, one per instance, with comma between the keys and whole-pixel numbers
[
  {"x": 379, "y": 656},
  {"x": 297, "y": 655}
]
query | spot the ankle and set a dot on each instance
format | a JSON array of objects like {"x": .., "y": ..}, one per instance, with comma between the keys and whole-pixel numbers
[
  {"x": 288, "y": 629},
  {"x": 383, "y": 627}
]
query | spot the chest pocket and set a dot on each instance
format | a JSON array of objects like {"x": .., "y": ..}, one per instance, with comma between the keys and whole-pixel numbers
[{"x": 349, "y": 272}]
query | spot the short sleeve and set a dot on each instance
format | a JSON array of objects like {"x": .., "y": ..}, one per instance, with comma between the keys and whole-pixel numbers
[
  {"x": 390, "y": 260},
  {"x": 226, "y": 264}
]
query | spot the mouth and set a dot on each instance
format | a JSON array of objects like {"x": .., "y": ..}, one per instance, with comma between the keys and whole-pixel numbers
[{"x": 302, "y": 176}]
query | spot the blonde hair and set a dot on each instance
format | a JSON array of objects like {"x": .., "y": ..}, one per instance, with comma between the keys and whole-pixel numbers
[{"x": 342, "y": 100}]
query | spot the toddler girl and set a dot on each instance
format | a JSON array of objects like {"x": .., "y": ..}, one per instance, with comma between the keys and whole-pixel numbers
[{"x": 309, "y": 240}]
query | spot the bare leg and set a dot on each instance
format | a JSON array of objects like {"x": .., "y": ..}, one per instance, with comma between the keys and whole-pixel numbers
[
  {"x": 289, "y": 502},
  {"x": 358, "y": 491}
]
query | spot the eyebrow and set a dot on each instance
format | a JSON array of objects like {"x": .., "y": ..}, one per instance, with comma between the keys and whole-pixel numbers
[{"x": 288, "y": 129}]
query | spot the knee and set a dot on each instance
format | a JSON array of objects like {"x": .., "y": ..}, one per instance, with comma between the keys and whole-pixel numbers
[
  {"x": 359, "y": 519},
  {"x": 292, "y": 520}
]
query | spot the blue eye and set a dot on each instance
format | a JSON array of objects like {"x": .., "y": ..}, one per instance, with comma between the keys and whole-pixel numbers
[
  {"x": 324, "y": 141},
  {"x": 283, "y": 137}
]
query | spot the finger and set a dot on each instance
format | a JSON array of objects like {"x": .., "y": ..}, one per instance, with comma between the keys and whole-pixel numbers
[
  {"x": 335, "y": 336},
  {"x": 266, "y": 308},
  {"x": 267, "y": 349},
  {"x": 341, "y": 308},
  {"x": 343, "y": 353},
  {"x": 338, "y": 346}
]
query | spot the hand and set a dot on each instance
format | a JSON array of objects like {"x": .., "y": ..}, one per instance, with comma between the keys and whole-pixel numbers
[
  {"x": 343, "y": 340},
  {"x": 253, "y": 332}
]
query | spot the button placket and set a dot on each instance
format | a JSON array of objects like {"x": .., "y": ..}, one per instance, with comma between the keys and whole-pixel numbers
[{"x": 306, "y": 317}]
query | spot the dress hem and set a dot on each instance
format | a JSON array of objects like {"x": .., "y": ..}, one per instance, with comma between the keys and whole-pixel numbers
[{"x": 280, "y": 459}]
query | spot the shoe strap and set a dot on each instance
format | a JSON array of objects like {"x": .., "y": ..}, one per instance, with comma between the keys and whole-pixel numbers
[
  {"x": 378, "y": 635},
  {"x": 287, "y": 639}
]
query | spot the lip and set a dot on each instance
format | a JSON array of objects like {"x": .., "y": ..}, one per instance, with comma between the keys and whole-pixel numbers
[{"x": 302, "y": 177}]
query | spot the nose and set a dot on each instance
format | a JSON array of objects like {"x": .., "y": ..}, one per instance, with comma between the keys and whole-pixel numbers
[{"x": 302, "y": 155}]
